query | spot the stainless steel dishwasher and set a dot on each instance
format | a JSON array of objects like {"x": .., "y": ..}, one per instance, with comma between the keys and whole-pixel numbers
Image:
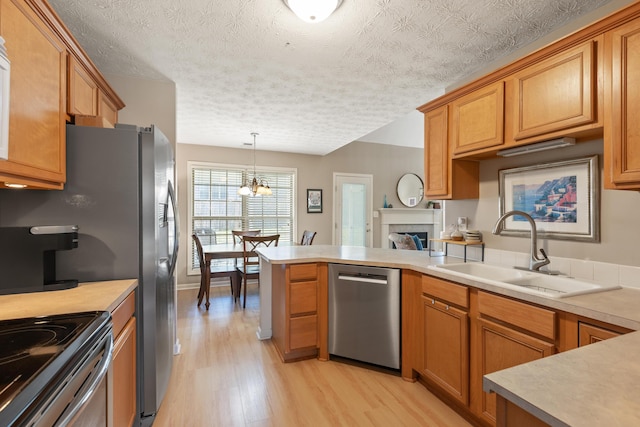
[{"x": 364, "y": 314}]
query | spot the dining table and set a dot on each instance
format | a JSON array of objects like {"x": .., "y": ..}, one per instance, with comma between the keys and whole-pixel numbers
[
  {"x": 221, "y": 251},
  {"x": 225, "y": 251}
]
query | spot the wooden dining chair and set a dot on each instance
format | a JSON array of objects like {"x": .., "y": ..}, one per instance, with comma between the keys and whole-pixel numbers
[
  {"x": 221, "y": 271},
  {"x": 239, "y": 234},
  {"x": 307, "y": 237},
  {"x": 250, "y": 268}
]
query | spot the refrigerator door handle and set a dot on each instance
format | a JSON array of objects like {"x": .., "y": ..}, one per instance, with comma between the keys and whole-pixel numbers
[{"x": 176, "y": 229}]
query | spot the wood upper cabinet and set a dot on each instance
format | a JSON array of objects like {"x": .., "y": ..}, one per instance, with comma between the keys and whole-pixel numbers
[
  {"x": 52, "y": 80},
  {"x": 557, "y": 93},
  {"x": 445, "y": 355},
  {"x": 478, "y": 119},
  {"x": 122, "y": 385},
  {"x": 37, "y": 99},
  {"x": 83, "y": 91},
  {"x": 446, "y": 178},
  {"x": 85, "y": 98},
  {"x": 622, "y": 104}
]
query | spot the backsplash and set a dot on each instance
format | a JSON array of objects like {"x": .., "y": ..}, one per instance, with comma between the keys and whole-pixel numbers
[{"x": 623, "y": 275}]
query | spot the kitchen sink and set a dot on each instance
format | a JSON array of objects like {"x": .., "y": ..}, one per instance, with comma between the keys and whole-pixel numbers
[{"x": 524, "y": 280}]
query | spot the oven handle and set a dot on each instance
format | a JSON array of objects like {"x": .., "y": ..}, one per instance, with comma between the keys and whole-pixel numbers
[{"x": 91, "y": 385}]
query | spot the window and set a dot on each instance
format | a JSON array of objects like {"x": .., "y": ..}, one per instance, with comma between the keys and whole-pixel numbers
[{"x": 215, "y": 208}]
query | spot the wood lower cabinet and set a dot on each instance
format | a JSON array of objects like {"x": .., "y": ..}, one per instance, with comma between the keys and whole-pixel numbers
[
  {"x": 622, "y": 103},
  {"x": 122, "y": 384},
  {"x": 446, "y": 178},
  {"x": 557, "y": 93},
  {"x": 478, "y": 119},
  {"x": 590, "y": 334},
  {"x": 37, "y": 133},
  {"x": 296, "y": 292},
  {"x": 501, "y": 347},
  {"x": 507, "y": 333},
  {"x": 445, "y": 352}
]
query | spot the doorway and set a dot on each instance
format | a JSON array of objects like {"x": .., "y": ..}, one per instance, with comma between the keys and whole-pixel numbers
[{"x": 352, "y": 212}]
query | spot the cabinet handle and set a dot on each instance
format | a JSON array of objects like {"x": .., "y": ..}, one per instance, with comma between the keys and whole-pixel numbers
[
  {"x": 446, "y": 307},
  {"x": 433, "y": 301}
]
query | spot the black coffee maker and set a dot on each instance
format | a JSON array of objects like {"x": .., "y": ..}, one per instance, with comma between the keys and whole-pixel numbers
[{"x": 28, "y": 257}]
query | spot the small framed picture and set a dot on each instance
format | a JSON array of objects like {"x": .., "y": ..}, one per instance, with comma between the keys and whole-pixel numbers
[{"x": 314, "y": 201}]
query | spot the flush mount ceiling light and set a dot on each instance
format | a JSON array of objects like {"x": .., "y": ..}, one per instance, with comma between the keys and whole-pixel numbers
[
  {"x": 540, "y": 146},
  {"x": 313, "y": 11},
  {"x": 257, "y": 186}
]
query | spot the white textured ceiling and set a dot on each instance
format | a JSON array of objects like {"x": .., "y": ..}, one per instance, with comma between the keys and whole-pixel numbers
[{"x": 244, "y": 66}]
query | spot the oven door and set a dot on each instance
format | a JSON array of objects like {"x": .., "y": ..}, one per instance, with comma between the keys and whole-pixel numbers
[{"x": 80, "y": 399}]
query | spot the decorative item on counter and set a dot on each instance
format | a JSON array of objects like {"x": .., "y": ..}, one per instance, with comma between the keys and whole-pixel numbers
[
  {"x": 473, "y": 236},
  {"x": 385, "y": 202},
  {"x": 456, "y": 234},
  {"x": 390, "y": 206}
]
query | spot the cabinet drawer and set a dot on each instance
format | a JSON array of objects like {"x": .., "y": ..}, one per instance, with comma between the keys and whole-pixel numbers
[
  {"x": 534, "y": 319},
  {"x": 303, "y": 271},
  {"x": 121, "y": 315},
  {"x": 303, "y": 332},
  {"x": 304, "y": 298},
  {"x": 446, "y": 291}
]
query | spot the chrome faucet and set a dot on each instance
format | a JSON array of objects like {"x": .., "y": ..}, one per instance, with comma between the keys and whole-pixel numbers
[{"x": 534, "y": 263}]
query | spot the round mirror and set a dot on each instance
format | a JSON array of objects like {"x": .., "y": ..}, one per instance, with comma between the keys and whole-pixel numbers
[{"x": 410, "y": 190}]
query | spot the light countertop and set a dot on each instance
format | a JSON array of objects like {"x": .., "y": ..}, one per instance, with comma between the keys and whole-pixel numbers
[
  {"x": 618, "y": 307},
  {"x": 594, "y": 385},
  {"x": 93, "y": 296}
]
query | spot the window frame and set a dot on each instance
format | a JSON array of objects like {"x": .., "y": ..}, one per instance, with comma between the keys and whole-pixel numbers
[{"x": 193, "y": 165}]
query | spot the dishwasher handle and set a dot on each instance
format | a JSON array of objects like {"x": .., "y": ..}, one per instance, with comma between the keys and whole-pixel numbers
[{"x": 364, "y": 278}]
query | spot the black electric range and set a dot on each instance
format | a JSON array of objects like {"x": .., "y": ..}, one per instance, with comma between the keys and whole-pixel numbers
[{"x": 36, "y": 354}]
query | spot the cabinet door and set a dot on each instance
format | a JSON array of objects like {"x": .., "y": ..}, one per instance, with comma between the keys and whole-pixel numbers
[
  {"x": 38, "y": 99},
  {"x": 446, "y": 348},
  {"x": 555, "y": 94},
  {"x": 83, "y": 91},
  {"x": 106, "y": 108},
  {"x": 622, "y": 103},
  {"x": 478, "y": 119},
  {"x": 446, "y": 178},
  {"x": 124, "y": 376},
  {"x": 589, "y": 334},
  {"x": 436, "y": 153},
  {"x": 500, "y": 348}
]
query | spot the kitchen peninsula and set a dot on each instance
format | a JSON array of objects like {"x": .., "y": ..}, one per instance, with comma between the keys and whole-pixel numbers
[{"x": 290, "y": 275}]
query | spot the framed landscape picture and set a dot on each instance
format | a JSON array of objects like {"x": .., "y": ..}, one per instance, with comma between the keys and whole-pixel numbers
[
  {"x": 562, "y": 198},
  {"x": 314, "y": 201}
]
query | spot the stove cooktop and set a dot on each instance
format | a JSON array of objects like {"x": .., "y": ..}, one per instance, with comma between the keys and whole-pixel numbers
[{"x": 34, "y": 350}]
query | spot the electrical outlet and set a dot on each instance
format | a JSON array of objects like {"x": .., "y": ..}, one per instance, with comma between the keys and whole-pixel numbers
[{"x": 462, "y": 223}]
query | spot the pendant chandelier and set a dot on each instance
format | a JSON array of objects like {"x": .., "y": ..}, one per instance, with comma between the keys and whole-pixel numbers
[
  {"x": 257, "y": 186},
  {"x": 313, "y": 11}
]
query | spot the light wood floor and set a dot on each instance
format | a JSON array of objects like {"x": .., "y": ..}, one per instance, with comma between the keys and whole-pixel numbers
[{"x": 225, "y": 376}]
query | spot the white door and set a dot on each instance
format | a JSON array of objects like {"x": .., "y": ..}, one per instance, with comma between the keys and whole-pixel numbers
[{"x": 353, "y": 207}]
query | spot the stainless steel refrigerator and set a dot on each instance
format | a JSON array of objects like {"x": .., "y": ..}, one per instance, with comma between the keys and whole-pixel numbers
[{"x": 119, "y": 192}]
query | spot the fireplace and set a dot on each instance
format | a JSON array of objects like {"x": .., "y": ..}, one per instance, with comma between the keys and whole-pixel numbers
[{"x": 423, "y": 222}]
